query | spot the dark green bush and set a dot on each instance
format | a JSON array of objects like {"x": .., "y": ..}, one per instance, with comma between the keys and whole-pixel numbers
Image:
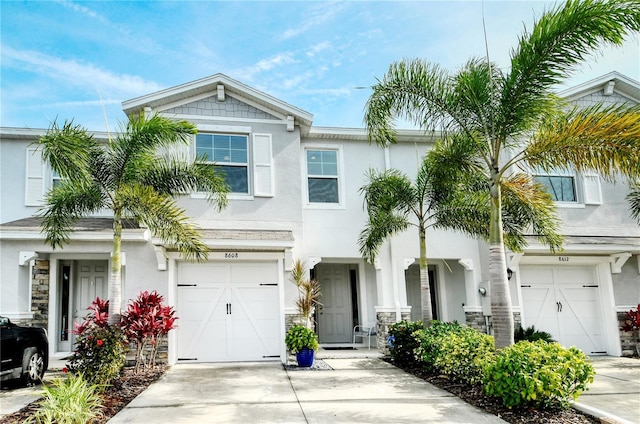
[
  {"x": 530, "y": 334},
  {"x": 404, "y": 342},
  {"x": 99, "y": 354},
  {"x": 463, "y": 354},
  {"x": 538, "y": 374},
  {"x": 429, "y": 341}
]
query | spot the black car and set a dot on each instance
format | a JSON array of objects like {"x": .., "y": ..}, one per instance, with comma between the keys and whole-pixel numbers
[{"x": 25, "y": 352}]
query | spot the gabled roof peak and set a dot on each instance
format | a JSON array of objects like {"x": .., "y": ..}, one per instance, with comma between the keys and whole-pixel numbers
[{"x": 210, "y": 85}]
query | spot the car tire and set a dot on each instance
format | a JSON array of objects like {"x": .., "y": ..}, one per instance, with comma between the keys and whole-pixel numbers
[{"x": 32, "y": 366}]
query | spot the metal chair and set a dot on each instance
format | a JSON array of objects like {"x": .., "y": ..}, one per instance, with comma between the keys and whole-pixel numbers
[{"x": 362, "y": 331}]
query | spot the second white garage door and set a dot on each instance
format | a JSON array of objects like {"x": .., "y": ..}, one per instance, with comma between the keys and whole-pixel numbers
[
  {"x": 228, "y": 312},
  {"x": 564, "y": 301}
]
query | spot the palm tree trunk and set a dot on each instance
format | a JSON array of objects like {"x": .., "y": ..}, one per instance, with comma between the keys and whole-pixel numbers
[
  {"x": 425, "y": 289},
  {"x": 115, "y": 283},
  {"x": 501, "y": 311}
]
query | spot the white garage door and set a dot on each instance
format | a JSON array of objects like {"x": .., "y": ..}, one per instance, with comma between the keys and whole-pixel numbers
[
  {"x": 564, "y": 301},
  {"x": 228, "y": 312}
]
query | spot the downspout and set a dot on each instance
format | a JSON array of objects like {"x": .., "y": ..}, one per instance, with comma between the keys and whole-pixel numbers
[{"x": 394, "y": 267}]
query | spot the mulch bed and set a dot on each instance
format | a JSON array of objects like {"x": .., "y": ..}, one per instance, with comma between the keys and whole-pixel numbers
[
  {"x": 117, "y": 396},
  {"x": 475, "y": 396}
]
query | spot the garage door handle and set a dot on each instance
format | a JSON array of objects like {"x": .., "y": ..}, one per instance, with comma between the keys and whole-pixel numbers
[{"x": 228, "y": 308}]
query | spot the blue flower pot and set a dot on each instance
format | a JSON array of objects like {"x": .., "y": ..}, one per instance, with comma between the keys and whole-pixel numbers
[{"x": 305, "y": 357}]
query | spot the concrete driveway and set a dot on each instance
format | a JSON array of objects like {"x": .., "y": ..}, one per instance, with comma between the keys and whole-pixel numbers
[{"x": 365, "y": 390}]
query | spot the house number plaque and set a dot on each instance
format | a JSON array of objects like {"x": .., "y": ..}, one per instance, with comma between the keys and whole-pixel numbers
[
  {"x": 563, "y": 259},
  {"x": 231, "y": 255}
]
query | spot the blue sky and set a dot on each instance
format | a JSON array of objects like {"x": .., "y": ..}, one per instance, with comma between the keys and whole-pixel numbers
[{"x": 68, "y": 59}]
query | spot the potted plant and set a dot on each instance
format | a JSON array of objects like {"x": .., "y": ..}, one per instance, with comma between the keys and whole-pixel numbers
[
  {"x": 632, "y": 324},
  {"x": 303, "y": 342}
]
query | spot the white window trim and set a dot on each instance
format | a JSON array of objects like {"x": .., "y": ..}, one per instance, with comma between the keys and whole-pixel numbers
[
  {"x": 587, "y": 186},
  {"x": 225, "y": 129},
  {"x": 342, "y": 204}
]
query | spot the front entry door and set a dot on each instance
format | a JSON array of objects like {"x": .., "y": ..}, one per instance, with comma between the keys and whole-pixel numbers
[
  {"x": 91, "y": 281},
  {"x": 334, "y": 316}
]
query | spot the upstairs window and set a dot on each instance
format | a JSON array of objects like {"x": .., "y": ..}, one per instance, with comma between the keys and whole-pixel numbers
[
  {"x": 322, "y": 176},
  {"x": 560, "y": 184},
  {"x": 229, "y": 154}
]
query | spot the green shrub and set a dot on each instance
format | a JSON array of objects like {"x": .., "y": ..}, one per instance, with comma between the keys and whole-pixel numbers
[
  {"x": 463, "y": 354},
  {"x": 530, "y": 334},
  {"x": 71, "y": 400},
  {"x": 298, "y": 337},
  {"x": 404, "y": 342},
  {"x": 430, "y": 339},
  {"x": 99, "y": 354},
  {"x": 538, "y": 374}
]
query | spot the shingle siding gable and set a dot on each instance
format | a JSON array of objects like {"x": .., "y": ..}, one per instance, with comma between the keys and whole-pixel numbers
[{"x": 231, "y": 107}]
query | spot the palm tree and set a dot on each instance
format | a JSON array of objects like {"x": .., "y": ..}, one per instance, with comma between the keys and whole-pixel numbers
[
  {"x": 136, "y": 176},
  {"x": 510, "y": 118},
  {"x": 449, "y": 192}
]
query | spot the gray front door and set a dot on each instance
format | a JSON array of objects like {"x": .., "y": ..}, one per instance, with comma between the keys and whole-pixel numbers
[
  {"x": 334, "y": 316},
  {"x": 91, "y": 281}
]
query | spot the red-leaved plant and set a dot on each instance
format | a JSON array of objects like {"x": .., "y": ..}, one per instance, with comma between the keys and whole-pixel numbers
[
  {"x": 99, "y": 349},
  {"x": 98, "y": 318},
  {"x": 147, "y": 321},
  {"x": 632, "y": 320}
]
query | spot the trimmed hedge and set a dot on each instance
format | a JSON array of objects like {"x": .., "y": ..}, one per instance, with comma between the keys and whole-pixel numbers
[{"x": 404, "y": 342}]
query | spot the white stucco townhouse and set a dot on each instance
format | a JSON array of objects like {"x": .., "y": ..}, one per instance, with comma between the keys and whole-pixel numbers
[{"x": 295, "y": 195}]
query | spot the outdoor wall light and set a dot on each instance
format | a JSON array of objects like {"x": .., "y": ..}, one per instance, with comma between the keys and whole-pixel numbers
[
  {"x": 509, "y": 274},
  {"x": 482, "y": 291}
]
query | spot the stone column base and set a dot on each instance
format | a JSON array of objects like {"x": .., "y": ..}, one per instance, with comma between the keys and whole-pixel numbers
[{"x": 386, "y": 316}]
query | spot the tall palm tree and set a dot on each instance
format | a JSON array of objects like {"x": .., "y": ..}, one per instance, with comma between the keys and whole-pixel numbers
[
  {"x": 136, "y": 176},
  {"x": 511, "y": 117},
  {"x": 449, "y": 192}
]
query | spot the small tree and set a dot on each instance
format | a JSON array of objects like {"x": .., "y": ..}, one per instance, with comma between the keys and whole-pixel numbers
[
  {"x": 308, "y": 293},
  {"x": 147, "y": 321}
]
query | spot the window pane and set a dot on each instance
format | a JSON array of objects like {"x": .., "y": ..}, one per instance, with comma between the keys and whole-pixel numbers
[
  {"x": 239, "y": 156},
  {"x": 562, "y": 189},
  {"x": 237, "y": 178},
  {"x": 204, "y": 146},
  {"x": 323, "y": 190},
  {"x": 322, "y": 162}
]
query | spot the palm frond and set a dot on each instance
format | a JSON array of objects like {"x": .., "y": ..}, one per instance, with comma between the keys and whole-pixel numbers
[
  {"x": 634, "y": 201},
  {"x": 64, "y": 205},
  {"x": 173, "y": 176},
  {"x": 527, "y": 205},
  {"x": 164, "y": 218},
  {"x": 379, "y": 228},
  {"x": 560, "y": 39},
  {"x": 68, "y": 150},
  {"x": 602, "y": 138}
]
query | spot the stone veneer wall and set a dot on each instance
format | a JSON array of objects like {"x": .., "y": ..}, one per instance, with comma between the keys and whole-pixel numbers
[
  {"x": 40, "y": 294},
  {"x": 384, "y": 320},
  {"x": 628, "y": 339},
  {"x": 476, "y": 320}
]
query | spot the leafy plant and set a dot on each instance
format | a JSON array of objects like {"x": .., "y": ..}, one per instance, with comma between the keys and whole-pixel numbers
[
  {"x": 299, "y": 337},
  {"x": 538, "y": 374},
  {"x": 632, "y": 320},
  {"x": 430, "y": 340},
  {"x": 308, "y": 292},
  {"x": 99, "y": 353},
  {"x": 463, "y": 354},
  {"x": 147, "y": 321},
  {"x": 405, "y": 342},
  {"x": 70, "y": 400},
  {"x": 99, "y": 349},
  {"x": 530, "y": 334}
]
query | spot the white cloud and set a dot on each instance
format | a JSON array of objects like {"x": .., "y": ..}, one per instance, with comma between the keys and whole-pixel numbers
[
  {"x": 319, "y": 15},
  {"x": 78, "y": 74},
  {"x": 317, "y": 48}
]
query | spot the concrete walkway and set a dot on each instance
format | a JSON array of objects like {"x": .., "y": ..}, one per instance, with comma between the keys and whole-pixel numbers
[
  {"x": 614, "y": 394},
  {"x": 363, "y": 390}
]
